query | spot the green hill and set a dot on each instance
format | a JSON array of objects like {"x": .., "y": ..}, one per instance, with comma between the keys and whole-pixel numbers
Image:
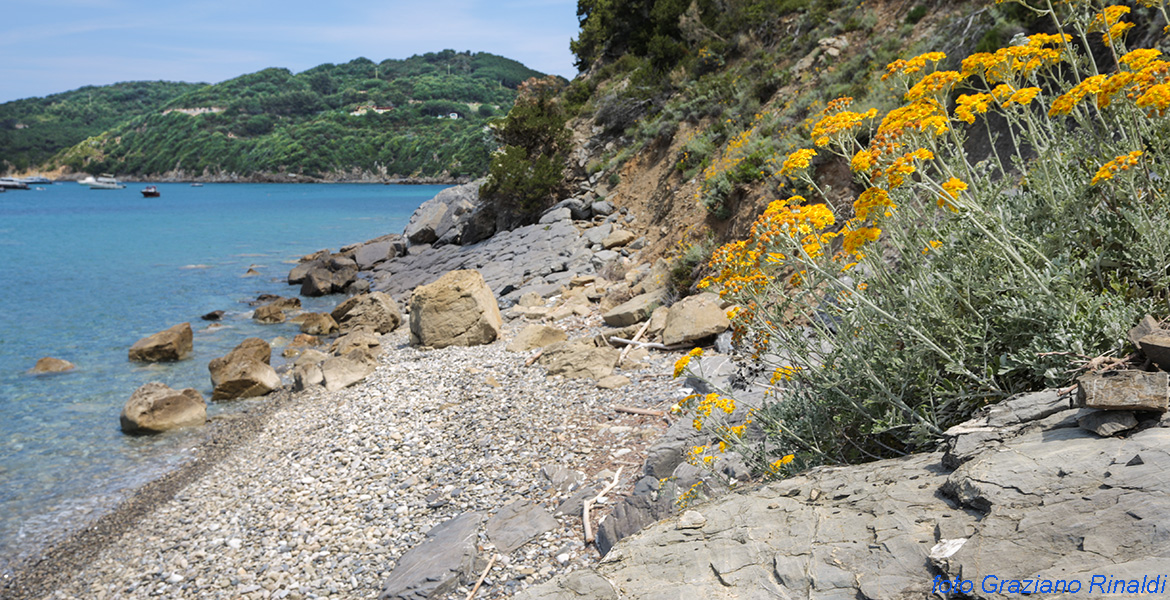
[{"x": 360, "y": 119}]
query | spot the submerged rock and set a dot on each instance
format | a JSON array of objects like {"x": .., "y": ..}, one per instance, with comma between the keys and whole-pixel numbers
[
  {"x": 155, "y": 407},
  {"x": 169, "y": 345},
  {"x": 49, "y": 364}
]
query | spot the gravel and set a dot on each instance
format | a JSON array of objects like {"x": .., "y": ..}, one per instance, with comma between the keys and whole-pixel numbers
[{"x": 329, "y": 489}]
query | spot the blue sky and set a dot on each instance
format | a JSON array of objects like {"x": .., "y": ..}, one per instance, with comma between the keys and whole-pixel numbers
[{"x": 51, "y": 46}]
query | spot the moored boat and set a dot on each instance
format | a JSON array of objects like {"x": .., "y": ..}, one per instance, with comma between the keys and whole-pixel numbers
[
  {"x": 38, "y": 180},
  {"x": 150, "y": 191},
  {"x": 105, "y": 182},
  {"x": 9, "y": 183}
]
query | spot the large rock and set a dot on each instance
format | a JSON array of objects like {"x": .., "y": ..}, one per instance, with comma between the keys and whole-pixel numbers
[
  {"x": 376, "y": 311},
  {"x": 536, "y": 336},
  {"x": 634, "y": 310},
  {"x": 155, "y": 407},
  {"x": 319, "y": 324},
  {"x": 373, "y": 253},
  {"x": 1124, "y": 390},
  {"x": 694, "y": 319},
  {"x": 516, "y": 524},
  {"x": 328, "y": 275},
  {"x": 49, "y": 364},
  {"x": 244, "y": 372},
  {"x": 1045, "y": 501},
  {"x": 437, "y": 218},
  {"x": 359, "y": 339},
  {"x": 617, "y": 239},
  {"x": 269, "y": 314},
  {"x": 580, "y": 359},
  {"x": 165, "y": 346},
  {"x": 456, "y": 310},
  {"x": 437, "y": 565},
  {"x": 343, "y": 371}
]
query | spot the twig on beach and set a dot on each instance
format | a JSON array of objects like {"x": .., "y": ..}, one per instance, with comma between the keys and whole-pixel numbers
[
  {"x": 528, "y": 363},
  {"x": 654, "y": 345},
  {"x": 649, "y": 412},
  {"x": 628, "y": 347},
  {"x": 589, "y": 502},
  {"x": 482, "y": 577}
]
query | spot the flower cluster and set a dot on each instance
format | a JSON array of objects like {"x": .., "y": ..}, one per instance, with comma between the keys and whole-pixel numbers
[{"x": 1121, "y": 163}]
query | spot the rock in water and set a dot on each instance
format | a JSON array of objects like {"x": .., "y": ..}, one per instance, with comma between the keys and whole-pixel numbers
[
  {"x": 269, "y": 314},
  {"x": 456, "y": 310},
  {"x": 318, "y": 324},
  {"x": 693, "y": 319},
  {"x": 155, "y": 407},
  {"x": 244, "y": 372},
  {"x": 49, "y": 364},
  {"x": 376, "y": 311},
  {"x": 214, "y": 315},
  {"x": 165, "y": 346}
]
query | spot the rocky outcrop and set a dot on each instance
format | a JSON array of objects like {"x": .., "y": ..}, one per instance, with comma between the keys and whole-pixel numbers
[
  {"x": 49, "y": 364},
  {"x": 323, "y": 275},
  {"x": 155, "y": 407},
  {"x": 1021, "y": 494},
  {"x": 377, "y": 251},
  {"x": 244, "y": 372},
  {"x": 442, "y": 219},
  {"x": 169, "y": 345},
  {"x": 457, "y": 310},
  {"x": 694, "y": 319},
  {"x": 375, "y": 311}
]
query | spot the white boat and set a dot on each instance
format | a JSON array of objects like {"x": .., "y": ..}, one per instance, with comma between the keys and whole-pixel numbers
[
  {"x": 38, "y": 180},
  {"x": 12, "y": 184},
  {"x": 105, "y": 182}
]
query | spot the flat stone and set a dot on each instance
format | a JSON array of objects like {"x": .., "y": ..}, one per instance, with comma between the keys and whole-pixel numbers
[
  {"x": 634, "y": 310},
  {"x": 436, "y": 566},
  {"x": 612, "y": 382},
  {"x": 1156, "y": 346},
  {"x": 516, "y": 524},
  {"x": 1106, "y": 423},
  {"x": 1124, "y": 390},
  {"x": 536, "y": 336}
]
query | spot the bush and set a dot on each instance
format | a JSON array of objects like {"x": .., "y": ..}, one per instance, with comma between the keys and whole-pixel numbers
[{"x": 952, "y": 284}]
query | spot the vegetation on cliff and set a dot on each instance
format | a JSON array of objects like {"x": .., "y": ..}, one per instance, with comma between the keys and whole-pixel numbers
[{"x": 380, "y": 119}]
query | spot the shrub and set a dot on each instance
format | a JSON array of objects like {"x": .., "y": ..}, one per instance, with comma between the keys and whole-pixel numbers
[{"x": 952, "y": 284}]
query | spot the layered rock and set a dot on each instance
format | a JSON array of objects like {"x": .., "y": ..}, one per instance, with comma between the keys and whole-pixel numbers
[
  {"x": 169, "y": 345},
  {"x": 319, "y": 324},
  {"x": 444, "y": 559},
  {"x": 155, "y": 407},
  {"x": 444, "y": 218},
  {"x": 457, "y": 310},
  {"x": 375, "y": 311}
]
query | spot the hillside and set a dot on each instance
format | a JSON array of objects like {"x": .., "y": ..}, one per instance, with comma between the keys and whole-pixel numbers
[{"x": 360, "y": 120}]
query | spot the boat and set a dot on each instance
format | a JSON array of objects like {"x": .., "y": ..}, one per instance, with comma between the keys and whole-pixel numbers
[
  {"x": 150, "y": 191},
  {"x": 38, "y": 180},
  {"x": 196, "y": 185},
  {"x": 105, "y": 182},
  {"x": 9, "y": 183}
]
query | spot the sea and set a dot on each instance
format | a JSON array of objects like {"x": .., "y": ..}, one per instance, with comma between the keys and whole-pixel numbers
[{"x": 86, "y": 273}]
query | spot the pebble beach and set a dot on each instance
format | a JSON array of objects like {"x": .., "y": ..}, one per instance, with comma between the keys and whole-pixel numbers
[{"x": 318, "y": 494}]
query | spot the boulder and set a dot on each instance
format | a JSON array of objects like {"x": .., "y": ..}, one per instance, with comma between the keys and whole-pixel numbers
[
  {"x": 603, "y": 208},
  {"x": 317, "y": 282},
  {"x": 657, "y": 322},
  {"x": 456, "y": 310},
  {"x": 1124, "y": 390},
  {"x": 328, "y": 275},
  {"x": 693, "y": 319},
  {"x": 319, "y": 324},
  {"x": 579, "y": 208},
  {"x": 612, "y": 382},
  {"x": 553, "y": 215},
  {"x": 155, "y": 407},
  {"x": 298, "y": 273},
  {"x": 343, "y": 371},
  {"x": 214, "y": 315},
  {"x": 579, "y": 359},
  {"x": 306, "y": 376},
  {"x": 634, "y": 310},
  {"x": 281, "y": 302},
  {"x": 437, "y": 565},
  {"x": 442, "y": 217},
  {"x": 536, "y": 336},
  {"x": 1106, "y": 423},
  {"x": 269, "y": 314},
  {"x": 357, "y": 287},
  {"x": 49, "y": 364},
  {"x": 1156, "y": 347},
  {"x": 168, "y": 345},
  {"x": 376, "y": 311},
  {"x": 304, "y": 340},
  {"x": 517, "y": 523},
  {"x": 370, "y": 255},
  {"x": 360, "y": 339},
  {"x": 244, "y": 372},
  {"x": 619, "y": 237}
]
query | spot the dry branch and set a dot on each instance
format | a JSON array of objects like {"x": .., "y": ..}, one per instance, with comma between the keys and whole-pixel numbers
[{"x": 589, "y": 502}]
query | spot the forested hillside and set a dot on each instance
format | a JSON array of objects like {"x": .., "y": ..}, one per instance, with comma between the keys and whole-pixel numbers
[{"x": 423, "y": 116}]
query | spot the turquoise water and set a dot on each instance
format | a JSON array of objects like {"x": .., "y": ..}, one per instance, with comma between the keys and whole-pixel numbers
[{"x": 86, "y": 273}]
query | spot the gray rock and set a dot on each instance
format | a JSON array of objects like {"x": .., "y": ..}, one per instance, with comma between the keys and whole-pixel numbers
[
  {"x": 370, "y": 255},
  {"x": 1146, "y": 326},
  {"x": 578, "y": 585},
  {"x": 437, "y": 565},
  {"x": 579, "y": 209},
  {"x": 555, "y": 214},
  {"x": 574, "y": 504},
  {"x": 602, "y": 258},
  {"x": 441, "y": 217},
  {"x": 1106, "y": 423},
  {"x": 298, "y": 273},
  {"x": 635, "y": 310},
  {"x": 1156, "y": 347},
  {"x": 603, "y": 208},
  {"x": 562, "y": 478},
  {"x": 629, "y": 516},
  {"x": 516, "y": 524},
  {"x": 596, "y": 235}
]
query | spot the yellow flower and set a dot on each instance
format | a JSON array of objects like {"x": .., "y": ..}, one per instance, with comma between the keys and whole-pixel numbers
[
  {"x": 680, "y": 365},
  {"x": 968, "y": 105},
  {"x": 870, "y": 200},
  {"x": 1022, "y": 96},
  {"x": 862, "y": 161},
  {"x": 910, "y": 66},
  {"x": 797, "y": 161},
  {"x": 1139, "y": 59},
  {"x": 931, "y": 245},
  {"x": 951, "y": 187},
  {"x": 933, "y": 84},
  {"x": 1121, "y": 163}
]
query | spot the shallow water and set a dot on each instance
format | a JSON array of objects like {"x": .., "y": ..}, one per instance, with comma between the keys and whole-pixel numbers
[{"x": 86, "y": 273}]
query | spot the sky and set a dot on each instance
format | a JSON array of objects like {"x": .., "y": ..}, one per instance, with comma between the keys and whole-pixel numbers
[{"x": 53, "y": 46}]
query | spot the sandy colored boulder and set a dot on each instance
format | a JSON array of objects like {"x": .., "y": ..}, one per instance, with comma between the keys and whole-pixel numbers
[
  {"x": 362, "y": 339},
  {"x": 457, "y": 310},
  {"x": 343, "y": 371},
  {"x": 694, "y": 318},
  {"x": 169, "y": 345},
  {"x": 536, "y": 336},
  {"x": 375, "y": 310},
  {"x": 155, "y": 407},
  {"x": 252, "y": 348},
  {"x": 634, "y": 310},
  {"x": 580, "y": 359},
  {"x": 319, "y": 324},
  {"x": 49, "y": 364},
  {"x": 618, "y": 238},
  {"x": 244, "y": 372},
  {"x": 268, "y": 314}
]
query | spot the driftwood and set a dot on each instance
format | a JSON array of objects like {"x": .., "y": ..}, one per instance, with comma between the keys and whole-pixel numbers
[
  {"x": 589, "y": 502},
  {"x": 629, "y": 347},
  {"x": 649, "y": 412},
  {"x": 528, "y": 363},
  {"x": 481, "y": 578},
  {"x": 654, "y": 345}
]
